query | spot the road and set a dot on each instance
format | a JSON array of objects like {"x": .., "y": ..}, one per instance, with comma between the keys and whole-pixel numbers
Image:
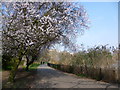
[{"x": 48, "y": 77}]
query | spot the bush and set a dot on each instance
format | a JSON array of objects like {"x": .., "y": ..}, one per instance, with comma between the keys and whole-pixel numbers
[{"x": 7, "y": 62}]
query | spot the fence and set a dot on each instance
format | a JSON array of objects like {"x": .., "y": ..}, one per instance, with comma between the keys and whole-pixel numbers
[{"x": 104, "y": 74}]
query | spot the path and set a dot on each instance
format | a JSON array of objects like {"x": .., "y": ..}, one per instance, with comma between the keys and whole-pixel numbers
[{"x": 48, "y": 77}]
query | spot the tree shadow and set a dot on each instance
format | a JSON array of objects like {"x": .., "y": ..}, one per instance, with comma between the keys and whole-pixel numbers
[
  {"x": 22, "y": 79},
  {"x": 28, "y": 79},
  {"x": 42, "y": 78}
]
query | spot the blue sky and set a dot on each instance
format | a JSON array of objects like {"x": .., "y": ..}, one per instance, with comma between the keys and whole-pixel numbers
[{"x": 104, "y": 24}]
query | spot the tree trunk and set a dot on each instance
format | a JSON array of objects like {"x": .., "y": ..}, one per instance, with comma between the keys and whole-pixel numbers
[
  {"x": 14, "y": 70},
  {"x": 28, "y": 63},
  {"x": 27, "y": 68}
]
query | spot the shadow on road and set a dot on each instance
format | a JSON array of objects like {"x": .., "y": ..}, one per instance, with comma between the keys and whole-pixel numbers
[{"x": 47, "y": 77}]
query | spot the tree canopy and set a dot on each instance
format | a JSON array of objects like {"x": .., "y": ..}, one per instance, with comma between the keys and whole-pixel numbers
[
  {"x": 31, "y": 27},
  {"x": 37, "y": 25}
]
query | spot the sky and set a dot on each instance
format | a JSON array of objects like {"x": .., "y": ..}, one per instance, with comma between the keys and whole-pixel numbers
[
  {"x": 103, "y": 30},
  {"x": 104, "y": 24}
]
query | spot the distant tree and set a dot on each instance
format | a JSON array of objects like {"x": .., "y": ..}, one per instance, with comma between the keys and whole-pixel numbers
[{"x": 31, "y": 27}]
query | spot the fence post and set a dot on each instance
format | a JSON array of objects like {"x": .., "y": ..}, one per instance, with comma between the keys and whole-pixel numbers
[{"x": 100, "y": 74}]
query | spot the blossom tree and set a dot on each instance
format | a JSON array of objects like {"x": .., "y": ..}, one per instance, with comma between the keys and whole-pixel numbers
[{"x": 31, "y": 27}]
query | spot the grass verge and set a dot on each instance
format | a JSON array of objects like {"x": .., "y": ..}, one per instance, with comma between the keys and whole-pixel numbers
[
  {"x": 32, "y": 66},
  {"x": 82, "y": 75}
]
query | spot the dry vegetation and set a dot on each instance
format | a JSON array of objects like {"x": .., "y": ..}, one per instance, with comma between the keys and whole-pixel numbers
[
  {"x": 100, "y": 63},
  {"x": 99, "y": 56}
]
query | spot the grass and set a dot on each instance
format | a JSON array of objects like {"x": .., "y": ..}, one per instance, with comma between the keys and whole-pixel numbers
[
  {"x": 1, "y": 69},
  {"x": 82, "y": 75},
  {"x": 32, "y": 66},
  {"x": 7, "y": 68}
]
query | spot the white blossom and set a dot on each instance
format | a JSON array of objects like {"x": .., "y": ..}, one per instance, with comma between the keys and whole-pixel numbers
[{"x": 38, "y": 23}]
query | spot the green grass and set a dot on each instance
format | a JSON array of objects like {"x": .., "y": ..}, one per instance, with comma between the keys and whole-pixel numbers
[
  {"x": 82, "y": 75},
  {"x": 1, "y": 70},
  {"x": 33, "y": 66},
  {"x": 7, "y": 68}
]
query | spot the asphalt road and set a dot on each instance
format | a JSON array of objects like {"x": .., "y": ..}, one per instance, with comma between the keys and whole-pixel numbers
[{"x": 48, "y": 77}]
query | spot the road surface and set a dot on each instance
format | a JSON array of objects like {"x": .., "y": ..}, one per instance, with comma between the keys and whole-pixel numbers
[{"x": 48, "y": 77}]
